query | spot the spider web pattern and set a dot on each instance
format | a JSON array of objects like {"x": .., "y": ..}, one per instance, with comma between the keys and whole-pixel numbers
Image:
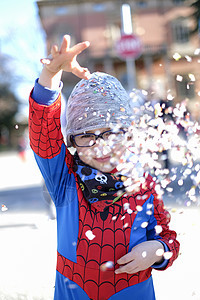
[
  {"x": 111, "y": 242},
  {"x": 45, "y": 129}
]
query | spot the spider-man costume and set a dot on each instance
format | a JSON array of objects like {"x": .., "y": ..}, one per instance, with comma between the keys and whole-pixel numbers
[{"x": 80, "y": 260}]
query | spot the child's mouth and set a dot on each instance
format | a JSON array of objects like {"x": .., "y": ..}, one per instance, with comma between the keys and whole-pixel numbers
[{"x": 103, "y": 159}]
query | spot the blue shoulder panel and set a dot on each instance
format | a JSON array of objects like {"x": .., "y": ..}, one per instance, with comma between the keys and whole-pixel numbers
[
  {"x": 62, "y": 188},
  {"x": 143, "y": 224}
]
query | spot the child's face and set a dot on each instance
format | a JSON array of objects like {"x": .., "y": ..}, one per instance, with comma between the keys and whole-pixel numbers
[{"x": 105, "y": 154}]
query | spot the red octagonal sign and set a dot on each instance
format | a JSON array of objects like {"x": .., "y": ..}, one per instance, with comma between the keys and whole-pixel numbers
[{"x": 129, "y": 46}]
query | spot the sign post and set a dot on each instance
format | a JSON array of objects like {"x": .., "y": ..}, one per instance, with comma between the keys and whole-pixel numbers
[{"x": 129, "y": 46}]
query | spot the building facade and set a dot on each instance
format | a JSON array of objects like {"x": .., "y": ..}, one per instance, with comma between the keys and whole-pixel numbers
[{"x": 170, "y": 56}]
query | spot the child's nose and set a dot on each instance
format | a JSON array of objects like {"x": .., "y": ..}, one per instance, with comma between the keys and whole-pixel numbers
[{"x": 100, "y": 142}]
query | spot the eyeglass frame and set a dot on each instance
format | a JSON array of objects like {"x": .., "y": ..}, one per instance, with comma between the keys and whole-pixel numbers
[{"x": 72, "y": 137}]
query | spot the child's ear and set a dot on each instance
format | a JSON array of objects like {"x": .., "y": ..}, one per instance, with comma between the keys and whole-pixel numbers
[{"x": 72, "y": 141}]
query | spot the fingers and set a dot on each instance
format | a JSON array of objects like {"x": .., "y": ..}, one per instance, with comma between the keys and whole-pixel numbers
[
  {"x": 129, "y": 268},
  {"x": 65, "y": 43},
  {"x": 128, "y": 262},
  {"x": 78, "y": 48},
  {"x": 54, "y": 51},
  {"x": 126, "y": 258}
]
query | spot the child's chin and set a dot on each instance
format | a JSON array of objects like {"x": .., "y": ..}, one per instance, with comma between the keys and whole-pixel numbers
[{"x": 106, "y": 168}]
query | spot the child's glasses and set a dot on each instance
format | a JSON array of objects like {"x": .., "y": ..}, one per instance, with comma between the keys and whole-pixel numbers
[{"x": 89, "y": 139}]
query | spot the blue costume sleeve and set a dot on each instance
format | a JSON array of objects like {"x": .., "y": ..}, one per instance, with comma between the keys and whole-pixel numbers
[
  {"x": 43, "y": 95},
  {"x": 164, "y": 263}
]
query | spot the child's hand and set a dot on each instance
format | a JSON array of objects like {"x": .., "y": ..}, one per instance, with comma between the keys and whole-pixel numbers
[
  {"x": 65, "y": 58},
  {"x": 140, "y": 258}
]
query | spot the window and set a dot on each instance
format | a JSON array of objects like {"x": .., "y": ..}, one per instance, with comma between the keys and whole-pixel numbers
[
  {"x": 185, "y": 88},
  {"x": 180, "y": 32},
  {"x": 61, "y": 11},
  {"x": 141, "y": 3},
  {"x": 99, "y": 7},
  {"x": 178, "y": 2}
]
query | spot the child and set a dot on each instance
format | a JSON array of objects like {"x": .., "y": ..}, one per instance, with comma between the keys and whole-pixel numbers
[{"x": 108, "y": 240}]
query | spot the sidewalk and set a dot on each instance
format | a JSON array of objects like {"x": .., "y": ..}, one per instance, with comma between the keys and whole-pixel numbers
[
  {"x": 16, "y": 173},
  {"x": 181, "y": 281},
  {"x": 28, "y": 259}
]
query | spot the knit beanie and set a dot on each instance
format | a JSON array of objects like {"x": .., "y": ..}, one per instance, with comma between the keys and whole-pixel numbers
[{"x": 98, "y": 102}]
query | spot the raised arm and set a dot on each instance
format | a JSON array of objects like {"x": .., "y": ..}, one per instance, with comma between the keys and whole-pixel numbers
[{"x": 45, "y": 134}]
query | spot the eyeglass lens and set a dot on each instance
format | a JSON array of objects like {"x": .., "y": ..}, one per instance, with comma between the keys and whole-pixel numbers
[{"x": 89, "y": 139}]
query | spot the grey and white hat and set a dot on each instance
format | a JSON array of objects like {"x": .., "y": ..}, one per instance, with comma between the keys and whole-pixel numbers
[{"x": 98, "y": 102}]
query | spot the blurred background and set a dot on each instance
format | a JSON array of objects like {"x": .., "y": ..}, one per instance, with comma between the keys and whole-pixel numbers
[{"x": 160, "y": 54}]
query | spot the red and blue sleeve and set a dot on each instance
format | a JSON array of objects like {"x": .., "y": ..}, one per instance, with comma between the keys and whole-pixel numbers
[
  {"x": 158, "y": 229},
  {"x": 46, "y": 138}
]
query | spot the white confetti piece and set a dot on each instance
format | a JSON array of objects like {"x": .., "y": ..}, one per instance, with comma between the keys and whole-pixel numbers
[
  {"x": 107, "y": 265},
  {"x": 158, "y": 229},
  {"x": 144, "y": 224},
  {"x": 4, "y": 208},
  {"x": 179, "y": 78},
  {"x": 159, "y": 252},
  {"x": 167, "y": 255},
  {"x": 139, "y": 208},
  {"x": 89, "y": 234},
  {"x": 176, "y": 56},
  {"x": 144, "y": 254}
]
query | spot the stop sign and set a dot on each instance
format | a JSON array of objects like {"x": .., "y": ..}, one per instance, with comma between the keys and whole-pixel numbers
[{"x": 129, "y": 46}]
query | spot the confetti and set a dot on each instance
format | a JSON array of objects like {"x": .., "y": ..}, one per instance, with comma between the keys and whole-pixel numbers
[
  {"x": 176, "y": 56},
  {"x": 158, "y": 229},
  {"x": 139, "y": 208},
  {"x": 89, "y": 234},
  {"x": 188, "y": 58},
  {"x": 4, "y": 208},
  {"x": 167, "y": 255},
  {"x": 144, "y": 224},
  {"x": 159, "y": 252},
  {"x": 144, "y": 254},
  {"x": 179, "y": 78},
  {"x": 107, "y": 265},
  {"x": 154, "y": 131},
  {"x": 197, "y": 51},
  {"x": 72, "y": 286},
  {"x": 192, "y": 77},
  {"x": 126, "y": 206},
  {"x": 125, "y": 225},
  {"x": 180, "y": 182}
]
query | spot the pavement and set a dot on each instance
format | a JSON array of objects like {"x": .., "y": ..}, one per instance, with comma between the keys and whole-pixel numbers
[{"x": 28, "y": 240}]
